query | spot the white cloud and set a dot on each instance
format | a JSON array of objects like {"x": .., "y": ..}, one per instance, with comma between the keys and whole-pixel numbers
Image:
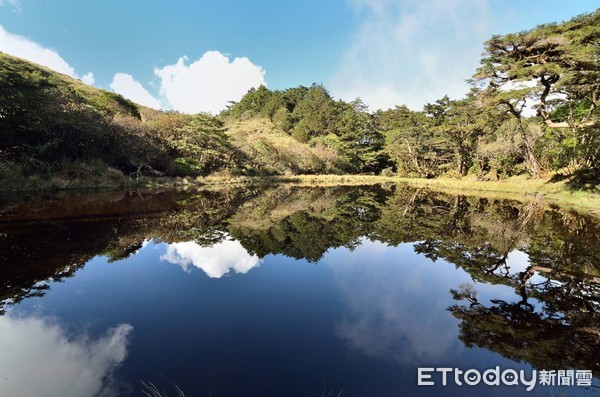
[
  {"x": 208, "y": 83},
  {"x": 215, "y": 261},
  {"x": 130, "y": 88},
  {"x": 412, "y": 53},
  {"x": 88, "y": 78},
  {"x": 22, "y": 47},
  {"x": 39, "y": 359}
]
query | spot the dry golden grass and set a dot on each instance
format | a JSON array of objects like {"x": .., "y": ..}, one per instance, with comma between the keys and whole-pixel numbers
[
  {"x": 273, "y": 152},
  {"x": 274, "y": 205}
]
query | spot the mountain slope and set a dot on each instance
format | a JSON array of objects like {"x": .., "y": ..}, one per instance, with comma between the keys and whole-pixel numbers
[{"x": 54, "y": 126}]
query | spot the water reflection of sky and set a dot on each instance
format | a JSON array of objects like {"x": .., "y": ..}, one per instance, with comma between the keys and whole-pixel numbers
[
  {"x": 394, "y": 302},
  {"x": 39, "y": 358},
  {"x": 361, "y": 321},
  {"x": 215, "y": 260}
]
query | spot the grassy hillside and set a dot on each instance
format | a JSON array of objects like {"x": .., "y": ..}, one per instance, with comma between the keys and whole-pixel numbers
[
  {"x": 54, "y": 126},
  {"x": 57, "y": 132},
  {"x": 269, "y": 150}
]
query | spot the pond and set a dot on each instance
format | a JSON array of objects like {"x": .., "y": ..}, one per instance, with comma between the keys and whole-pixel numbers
[{"x": 296, "y": 291}]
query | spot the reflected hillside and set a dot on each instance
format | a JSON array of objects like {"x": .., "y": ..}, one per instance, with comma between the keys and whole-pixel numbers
[
  {"x": 552, "y": 321},
  {"x": 51, "y": 238},
  {"x": 304, "y": 223}
]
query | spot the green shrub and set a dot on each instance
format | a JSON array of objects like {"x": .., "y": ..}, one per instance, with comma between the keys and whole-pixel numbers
[
  {"x": 114, "y": 175},
  {"x": 183, "y": 166},
  {"x": 79, "y": 169}
]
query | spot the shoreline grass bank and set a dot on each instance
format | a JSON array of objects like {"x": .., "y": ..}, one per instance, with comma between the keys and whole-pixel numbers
[{"x": 519, "y": 188}]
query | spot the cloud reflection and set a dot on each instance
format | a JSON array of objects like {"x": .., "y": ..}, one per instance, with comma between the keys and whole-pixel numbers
[
  {"x": 39, "y": 359},
  {"x": 215, "y": 261},
  {"x": 396, "y": 303}
]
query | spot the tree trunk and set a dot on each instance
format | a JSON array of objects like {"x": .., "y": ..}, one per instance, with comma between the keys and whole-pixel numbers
[
  {"x": 529, "y": 139},
  {"x": 415, "y": 158},
  {"x": 462, "y": 163}
]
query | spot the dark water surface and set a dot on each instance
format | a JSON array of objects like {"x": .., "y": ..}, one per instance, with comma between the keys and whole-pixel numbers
[{"x": 289, "y": 291}]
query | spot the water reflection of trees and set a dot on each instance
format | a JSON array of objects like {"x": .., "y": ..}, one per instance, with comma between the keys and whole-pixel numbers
[
  {"x": 553, "y": 319},
  {"x": 49, "y": 240},
  {"x": 304, "y": 224},
  {"x": 548, "y": 337}
]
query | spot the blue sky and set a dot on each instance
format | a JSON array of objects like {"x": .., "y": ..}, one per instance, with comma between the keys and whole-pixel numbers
[{"x": 385, "y": 51}]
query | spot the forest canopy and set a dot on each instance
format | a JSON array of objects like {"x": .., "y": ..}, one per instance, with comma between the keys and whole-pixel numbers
[{"x": 533, "y": 108}]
